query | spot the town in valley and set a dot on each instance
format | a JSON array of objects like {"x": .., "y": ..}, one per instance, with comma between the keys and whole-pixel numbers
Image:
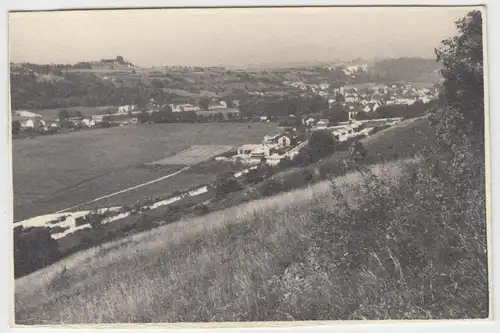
[{"x": 340, "y": 189}]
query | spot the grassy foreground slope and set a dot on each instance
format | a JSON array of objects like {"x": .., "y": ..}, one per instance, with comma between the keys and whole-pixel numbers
[
  {"x": 367, "y": 245},
  {"x": 202, "y": 269}
]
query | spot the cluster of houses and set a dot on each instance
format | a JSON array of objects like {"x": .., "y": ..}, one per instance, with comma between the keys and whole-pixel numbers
[
  {"x": 320, "y": 88},
  {"x": 369, "y": 98},
  {"x": 41, "y": 125},
  {"x": 220, "y": 105},
  {"x": 33, "y": 122},
  {"x": 30, "y": 121},
  {"x": 341, "y": 131},
  {"x": 36, "y": 124},
  {"x": 354, "y": 69},
  {"x": 124, "y": 115},
  {"x": 184, "y": 107},
  {"x": 271, "y": 150},
  {"x": 349, "y": 70},
  {"x": 378, "y": 95},
  {"x": 275, "y": 148}
]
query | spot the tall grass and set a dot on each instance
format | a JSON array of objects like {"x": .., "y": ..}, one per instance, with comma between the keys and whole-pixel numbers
[{"x": 362, "y": 246}]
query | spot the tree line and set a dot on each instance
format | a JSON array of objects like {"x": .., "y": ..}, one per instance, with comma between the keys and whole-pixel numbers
[{"x": 80, "y": 89}]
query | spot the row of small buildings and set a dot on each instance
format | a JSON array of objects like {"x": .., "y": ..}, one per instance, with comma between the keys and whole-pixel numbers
[
  {"x": 271, "y": 150},
  {"x": 342, "y": 132}
]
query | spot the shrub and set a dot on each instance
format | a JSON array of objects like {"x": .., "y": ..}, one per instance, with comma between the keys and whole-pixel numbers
[
  {"x": 57, "y": 229},
  {"x": 94, "y": 218},
  {"x": 225, "y": 184},
  {"x": 16, "y": 127},
  {"x": 270, "y": 187},
  {"x": 34, "y": 248},
  {"x": 201, "y": 209},
  {"x": 297, "y": 178},
  {"x": 357, "y": 152},
  {"x": 422, "y": 240}
]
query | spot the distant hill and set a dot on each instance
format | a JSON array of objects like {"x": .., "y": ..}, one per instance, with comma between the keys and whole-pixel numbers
[{"x": 408, "y": 69}]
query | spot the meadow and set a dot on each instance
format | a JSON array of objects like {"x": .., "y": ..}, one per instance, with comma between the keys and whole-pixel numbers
[
  {"x": 173, "y": 268},
  {"x": 56, "y": 172},
  {"x": 293, "y": 256}
]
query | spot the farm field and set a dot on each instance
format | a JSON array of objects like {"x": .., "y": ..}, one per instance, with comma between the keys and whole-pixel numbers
[
  {"x": 52, "y": 173},
  {"x": 193, "y": 155},
  {"x": 91, "y": 188},
  {"x": 178, "y": 183}
]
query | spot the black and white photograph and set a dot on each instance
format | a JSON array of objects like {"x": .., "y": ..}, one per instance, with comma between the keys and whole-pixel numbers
[{"x": 252, "y": 164}]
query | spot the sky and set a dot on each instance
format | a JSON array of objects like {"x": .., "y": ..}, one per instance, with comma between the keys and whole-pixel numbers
[{"x": 230, "y": 36}]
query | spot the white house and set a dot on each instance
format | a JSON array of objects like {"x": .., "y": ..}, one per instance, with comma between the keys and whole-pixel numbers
[
  {"x": 28, "y": 123},
  {"x": 98, "y": 118},
  {"x": 284, "y": 141},
  {"x": 32, "y": 123},
  {"x": 126, "y": 108},
  {"x": 339, "y": 132},
  {"x": 184, "y": 107},
  {"x": 351, "y": 98},
  {"x": 321, "y": 124},
  {"x": 310, "y": 121},
  {"x": 251, "y": 149},
  {"x": 88, "y": 122},
  {"x": 253, "y": 153}
]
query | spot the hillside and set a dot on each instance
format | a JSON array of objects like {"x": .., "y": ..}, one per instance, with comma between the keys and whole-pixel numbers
[
  {"x": 357, "y": 247},
  {"x": 202, "y": 264},
  {"x": 408, "y": 70},
  {"x": 55, "y": 86}
]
